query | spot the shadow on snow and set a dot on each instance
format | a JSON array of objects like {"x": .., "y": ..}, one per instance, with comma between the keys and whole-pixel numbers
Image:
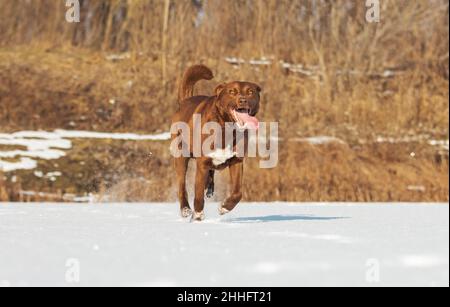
[{"x": 281, "y": 218}]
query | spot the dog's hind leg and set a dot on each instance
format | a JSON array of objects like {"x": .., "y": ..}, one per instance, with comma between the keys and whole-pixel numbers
[
  {"x": 210, "y": 185},
  {"x": 181, "y": 167}
]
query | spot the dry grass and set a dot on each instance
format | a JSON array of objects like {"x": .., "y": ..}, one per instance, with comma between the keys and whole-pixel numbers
[
  {"x": 56, "y": 75},
  {"x": 333, "y": 37},
  {"x": 37, "y": 92}
]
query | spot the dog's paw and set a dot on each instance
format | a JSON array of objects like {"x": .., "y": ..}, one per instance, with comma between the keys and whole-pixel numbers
[
  {"x": 209, "y": 193},
  {"x": 186, "y": 212},
  {"x": 222, "y": 210},
  {"x": 198, "y": 216},
  {"x": 210, "y": 190}
]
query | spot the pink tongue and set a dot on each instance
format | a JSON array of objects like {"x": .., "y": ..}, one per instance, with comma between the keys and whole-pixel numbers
[{"x": 251, "y": 121}]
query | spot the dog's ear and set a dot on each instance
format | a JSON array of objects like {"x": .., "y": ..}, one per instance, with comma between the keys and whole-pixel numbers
[
  {"x": 219, "y": 89},
  {"x": 258, "y": 88}
]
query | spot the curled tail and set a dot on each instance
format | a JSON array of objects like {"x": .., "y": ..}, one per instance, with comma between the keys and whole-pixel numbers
[{"x": 190, "y": 78}]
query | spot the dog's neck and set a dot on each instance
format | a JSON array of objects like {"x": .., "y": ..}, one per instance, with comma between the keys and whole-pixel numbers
[{"x": 220, "y": 115}]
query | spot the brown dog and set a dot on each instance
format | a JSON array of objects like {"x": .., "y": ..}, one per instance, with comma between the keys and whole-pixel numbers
[{"x": 235, "y": 102}]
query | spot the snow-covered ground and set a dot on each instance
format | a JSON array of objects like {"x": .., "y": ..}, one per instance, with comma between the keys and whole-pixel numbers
[{"x": 257, "y": 245}]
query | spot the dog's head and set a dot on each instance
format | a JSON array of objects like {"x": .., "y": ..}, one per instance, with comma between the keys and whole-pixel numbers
[{"x": 239, "y": 102}]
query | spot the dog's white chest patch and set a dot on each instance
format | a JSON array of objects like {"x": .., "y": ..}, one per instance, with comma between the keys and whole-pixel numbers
[{"x": 220, "y": 156}]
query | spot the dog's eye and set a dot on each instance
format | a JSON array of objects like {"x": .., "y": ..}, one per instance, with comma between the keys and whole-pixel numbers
[
  {"x": 250, "y": 92},
  {"x": 232, "y": 92}
]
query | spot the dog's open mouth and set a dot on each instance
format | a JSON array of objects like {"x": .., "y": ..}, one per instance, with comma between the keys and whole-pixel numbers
[{"x": 244, "y": 120}]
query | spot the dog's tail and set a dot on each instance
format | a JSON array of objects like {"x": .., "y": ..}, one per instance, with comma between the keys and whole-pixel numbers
[{"x": 190, "y": 78}]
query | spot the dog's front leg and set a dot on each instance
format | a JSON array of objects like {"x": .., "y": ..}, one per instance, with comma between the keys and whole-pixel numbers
[
  {"x": 201, "y": 177},
  {"x": 236, "y": 175}
]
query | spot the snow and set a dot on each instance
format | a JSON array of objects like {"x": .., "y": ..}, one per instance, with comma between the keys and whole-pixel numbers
[
  {"x": 113, "y": 136},
  {"x": 442, "y": 144},
  {"x": 23, "y": 163},
  {"x": 278, "y": 244},
  {"x": 49, "y": 154},
  {"x": 74, "y": 134},
  {"x": 319, "y": 140},
  {"x": 118, "y": 57},
  {"x": 312, "y": 71},
  {"x": 50, "y": 145}
]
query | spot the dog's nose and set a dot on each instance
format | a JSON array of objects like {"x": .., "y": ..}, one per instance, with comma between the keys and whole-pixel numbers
[{"x": 242, "y": 100}]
